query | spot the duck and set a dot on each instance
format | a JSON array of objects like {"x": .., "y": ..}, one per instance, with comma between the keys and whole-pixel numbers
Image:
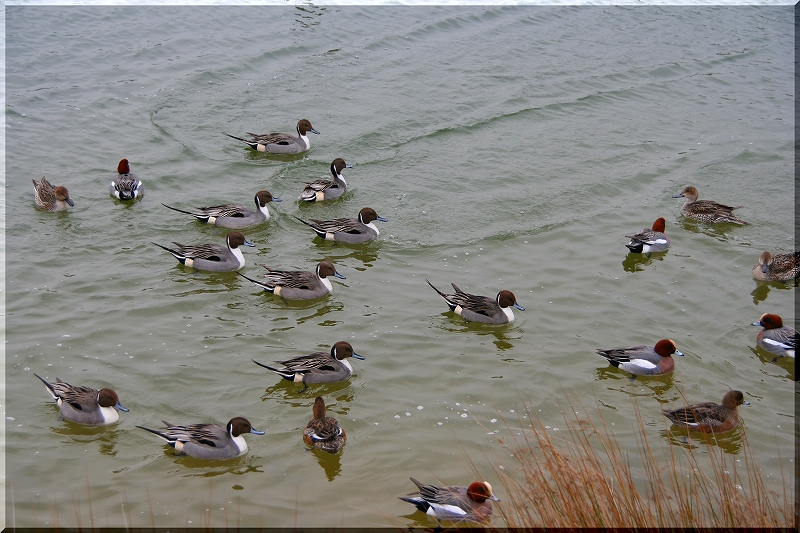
[
  {"x": 454, "y": 503},
  {"x": 706, "y": 210},
  {"x": 126, "y": 185},
  {"x": 298, "y": 284},
  {"x": 212, "y": 257},
  {"x": 649, "y": 240},
  {"x": 324, "y": 432},
  {"x": 481, "y": 308},
  {"x": 281, "y": 143},
  {"x": 318, "y": 367},
  {"x": 779, "y": 267},
  {"x": 320, "y": 190},
  {"x": 775, "y": 337},
  {"x": 207, "y": 441},
  {"x": 644, "y": 360},
  {"x": 50, "y": 198},
  {"x": 709, "y": 417},
  {"x": 85, "y": 405},
  {"x": 234, "y": 216},
  {"x": 348, "y": 230}
]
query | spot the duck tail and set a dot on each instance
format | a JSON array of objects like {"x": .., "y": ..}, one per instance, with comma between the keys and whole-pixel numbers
[
  {"x": 282, "y": 373},
  {"x": 259, "y": 283},
  {"x": 49, "y": 386},
  {"x": 443, "y": 295},
  {"x": 317, "y": 230},
  {"x": 179, "y": 210}
]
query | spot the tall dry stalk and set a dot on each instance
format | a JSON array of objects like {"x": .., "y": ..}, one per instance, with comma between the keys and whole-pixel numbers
[{"x": 582, "y": 478}]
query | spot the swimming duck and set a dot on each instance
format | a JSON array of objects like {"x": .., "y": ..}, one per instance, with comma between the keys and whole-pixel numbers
[
  {"x": 281, "y": 143},
  {"x": 775, "y": 337},
  {"x": 780, "y": 267},
  {"x": 324, "y": 432},
  {"x": 481, "y": 308},
  {"x": 454, "y": 503},
  {"x": 234, "y": 216},
  {"x": 298, "y": 285},
  {"x": 212, "y": 257},
  {"x": 126, "y": 185},
  {"x": 709, "y": 417},
  {"x": 51, "y": 198},
  {"x": 85, "y": 405},
  {"x": 347, "y": 230},
  {"x": 649, "y": 240},
  {"x": 644, "y": 360},
  {"x": 207, "y": 441},
  {"x": 706, "y": 210},
  {"x": 318, "y": 367},
  {"x": 320, "y": 190}
]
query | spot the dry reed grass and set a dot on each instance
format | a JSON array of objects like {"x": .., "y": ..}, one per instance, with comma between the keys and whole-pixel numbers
[{"x": 581, "y": 478}]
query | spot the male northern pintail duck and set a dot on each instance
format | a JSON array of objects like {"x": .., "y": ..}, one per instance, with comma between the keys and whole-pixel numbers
[
  {"x": 281, "y": 143},
  {"x": 481, "y": 308},
  {"x": 207, "y": 441},
  {"x": 126, "y": 186},
  {"x": 709, "y": 417},
  {"x": 775, "y": 337},
  {"x": 234, "y": 216},
  {"x": 85, "y": 405},
  {"x": 318, "y": 367},
  {"x": 212, "y": 257},
  {"x": 324, "y": 432},
  {"x": 347, "y": 230},
  {"x": 320, "y": 190},
  {"x": 706, "y": 210},
  {"x": 780, "y": 267},
  {"x": 649, "y": 240},
  {"x": 644, "y": 360},
  {"x": 297, "y": 284},
  {"x": 51, "y": 198},
  {"x": 454, "y": 503}
]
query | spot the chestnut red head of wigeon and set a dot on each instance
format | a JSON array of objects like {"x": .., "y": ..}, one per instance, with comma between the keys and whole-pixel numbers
[
  {"x": 660, "y": 225},
  {"x": 666, "y": 347},
  {"x": 123, "y": 167}
]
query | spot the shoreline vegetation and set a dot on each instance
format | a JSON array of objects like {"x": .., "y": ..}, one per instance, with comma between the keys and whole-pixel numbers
[{"x": 579, "y": 478}]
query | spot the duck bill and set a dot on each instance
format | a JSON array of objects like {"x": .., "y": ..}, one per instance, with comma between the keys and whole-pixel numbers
[
  {"x": 337, "y": 275},
  {"x": 745, "y": 403},
  {"x": 756, "y": 323},
  {"x": 494, "y": 498},
  {"x": 121, "y": 407},
  {"x": 355, "y": 355},
  {"x": 382, "y": 219},
  {"x": 256, "y": 432},
  {"x": 312, "y": 130},
  {"x": 346, "y": 165},
  {"x": 519, "y": 306},
  {"x": 678, "y": 352},
  {"x": 248, "y": 243},
  {"x": 680, "y": 195},
  {"x": 70, "y": 202},
  {"x": 277, "y": 199}
]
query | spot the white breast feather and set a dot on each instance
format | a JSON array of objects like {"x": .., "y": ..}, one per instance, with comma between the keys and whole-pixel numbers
[
  {"x": 237, "y": 252},
  {"x": 327, "y": 283},
  {"x": 109, "y": 414},
  {"x": 372, "y": 225},
  {"x": 509, "y": 313},
  {"x": 240, "y": 443}
]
